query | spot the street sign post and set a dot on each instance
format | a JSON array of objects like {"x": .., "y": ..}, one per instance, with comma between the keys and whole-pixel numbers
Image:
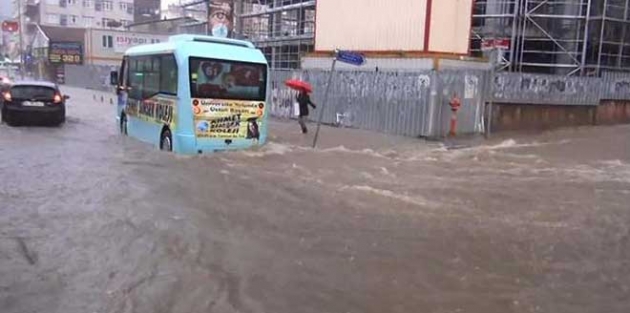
[{"x": 348, "y": 57}]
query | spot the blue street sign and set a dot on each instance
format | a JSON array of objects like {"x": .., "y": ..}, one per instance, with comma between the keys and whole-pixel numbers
[{"x": 350, "y": 58}]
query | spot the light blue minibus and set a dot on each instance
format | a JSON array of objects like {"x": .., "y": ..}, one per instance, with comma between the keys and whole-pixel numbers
[{"x": 193, "y": 94}]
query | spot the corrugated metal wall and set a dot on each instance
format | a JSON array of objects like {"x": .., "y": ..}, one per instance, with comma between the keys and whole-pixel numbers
[
  {"x": 414, "y": 103},
  {"x": 546, "y": 89},
  {"x": 409, "y": 104}
]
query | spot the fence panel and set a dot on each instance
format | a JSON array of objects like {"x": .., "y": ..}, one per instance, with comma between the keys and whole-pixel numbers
[
  {"x": 545, "y": 89},
  {"x": 615, "y": 86},
  {"x": 469, "y": 86},
  {"x": 381, "y": 101}
]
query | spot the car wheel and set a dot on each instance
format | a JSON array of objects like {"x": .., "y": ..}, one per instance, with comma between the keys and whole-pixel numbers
[
  {"x": 123, "y": 124},
  {"x": 166, "y": 141}
]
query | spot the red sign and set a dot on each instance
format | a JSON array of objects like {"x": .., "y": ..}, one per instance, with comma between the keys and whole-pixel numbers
[
  {"x": 489, "y": 44},
  {"x": 10, "y": 26}
]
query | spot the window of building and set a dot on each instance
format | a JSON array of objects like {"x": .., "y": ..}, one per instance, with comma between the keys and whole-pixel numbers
[
  {"x": 88, "y": 3},
  {"x": 73, "y": 20},
  {"x": 52, "y": 2},
  {"x": 52, "y": 18},
  {"x": 150, "y": 75},
  {"x": 108, "y": 41},
  {"x": 126, "y": 6},
  {"x": 108, "y": 6},
  {"x": 62, "y": 3},
  {"x": 98, "y": 5},
  {"x": 88, "y": 21},
  {"x": 63, "y": 20},
  {"x": 71, "y": 2},
  {"x": 107, "y": 21}
]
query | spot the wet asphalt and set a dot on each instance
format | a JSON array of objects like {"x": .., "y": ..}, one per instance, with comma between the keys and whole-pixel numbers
[{"x": 91, "y": 221}]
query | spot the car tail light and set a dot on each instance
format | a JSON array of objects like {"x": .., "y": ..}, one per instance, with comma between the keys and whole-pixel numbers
[
  {"x": 57, "y": 98},
  {"x": 7, "y": 96}
]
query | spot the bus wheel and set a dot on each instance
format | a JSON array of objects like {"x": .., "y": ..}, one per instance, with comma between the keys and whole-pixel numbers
[
  {"x": 123, "y": 124},
  {"x": 166, "y": 140}
]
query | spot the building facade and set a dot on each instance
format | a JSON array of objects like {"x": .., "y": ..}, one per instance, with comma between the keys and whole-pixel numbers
[
  {"x": 146, "y": 10},
  {"x": 111, "y": 14},
  {"x": 570, "y": 37},
  {"x": 283, "y": 29}
]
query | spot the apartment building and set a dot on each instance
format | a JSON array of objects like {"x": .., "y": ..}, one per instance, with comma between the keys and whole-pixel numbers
[
  {"x": 110, "y": 14},
  {"x": 146, "y": 10}
]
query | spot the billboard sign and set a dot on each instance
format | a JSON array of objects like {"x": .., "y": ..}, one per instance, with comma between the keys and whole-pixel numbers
[
  {"x": 220, "y": 18},
  {"x": 489, "y": 44},
  {"x": 10, "y": 26},
  {"x": 65, "y": 52},
  {"x": 124, "y": 41}
]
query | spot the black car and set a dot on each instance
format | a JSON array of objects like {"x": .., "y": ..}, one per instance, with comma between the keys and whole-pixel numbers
[{"x": 33, "y": 102}]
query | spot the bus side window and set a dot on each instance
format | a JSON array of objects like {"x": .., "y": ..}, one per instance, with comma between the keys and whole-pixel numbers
[
  {"x": 168, "y": 75},
  {"x": 136, "y": 78}
]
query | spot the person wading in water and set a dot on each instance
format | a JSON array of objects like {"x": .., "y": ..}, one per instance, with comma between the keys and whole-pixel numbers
[{"x": 304, "y": 100}]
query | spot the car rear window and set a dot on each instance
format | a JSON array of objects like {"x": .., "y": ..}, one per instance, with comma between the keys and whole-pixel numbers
[{"x": 32, "y": 92}]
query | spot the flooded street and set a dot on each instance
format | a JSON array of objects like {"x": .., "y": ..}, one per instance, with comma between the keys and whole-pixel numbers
[{"x": 91, "y": 221}]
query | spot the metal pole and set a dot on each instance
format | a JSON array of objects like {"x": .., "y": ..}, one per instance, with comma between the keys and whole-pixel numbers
[
  {"x": 515, "y": 20},
  {"x": 585, "y": 40},
  {"x": 601, "y": 39},
  {"x": 321, "y": 110},
  {"x": 493, "y": 65},
  {"x": 623, "y": 38},
  {"x": 20, "y": 27}
]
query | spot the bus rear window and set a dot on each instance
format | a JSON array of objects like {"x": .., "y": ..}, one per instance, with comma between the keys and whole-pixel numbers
[{"x": 220, "y": 79}]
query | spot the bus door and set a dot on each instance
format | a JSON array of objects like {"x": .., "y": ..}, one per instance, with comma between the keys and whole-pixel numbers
[{"x": 122, "y": 94}]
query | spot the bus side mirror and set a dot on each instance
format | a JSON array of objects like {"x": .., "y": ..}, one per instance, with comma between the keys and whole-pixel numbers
[{"x": 113, "y": 78}]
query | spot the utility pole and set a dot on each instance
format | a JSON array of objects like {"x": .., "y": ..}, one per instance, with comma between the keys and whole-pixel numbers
[{"x": 20, "y": 27}]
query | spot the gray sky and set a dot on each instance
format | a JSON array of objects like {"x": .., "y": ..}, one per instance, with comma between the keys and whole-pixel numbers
[{"x": 6, "y": 8}]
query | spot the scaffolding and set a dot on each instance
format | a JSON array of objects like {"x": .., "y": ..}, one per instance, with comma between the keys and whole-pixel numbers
[
  {"x": 283, "y": 29},
  {"x": 568, "y": 37}
]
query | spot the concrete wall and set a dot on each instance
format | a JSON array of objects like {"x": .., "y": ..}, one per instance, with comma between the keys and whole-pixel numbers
[
  {"x": 613, "y": 112},
  {"x": 510, "y": 117}
]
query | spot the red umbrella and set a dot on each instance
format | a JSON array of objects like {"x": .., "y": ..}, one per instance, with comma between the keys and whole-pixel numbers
[{"x": 299, "y": 85}]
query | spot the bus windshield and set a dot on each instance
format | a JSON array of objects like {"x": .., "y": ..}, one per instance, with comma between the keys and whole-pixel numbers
[{"x": 221, "y": 79}]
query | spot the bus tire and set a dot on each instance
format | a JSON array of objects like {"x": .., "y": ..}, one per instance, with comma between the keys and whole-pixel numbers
[
  {"x": 166, "y": 140},
  {"x": 123, "y": 124}
]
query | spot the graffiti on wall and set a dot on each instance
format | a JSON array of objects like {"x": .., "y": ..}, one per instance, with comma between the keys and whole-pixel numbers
[
  {"x": 525, "y": 88},
  {"x": 220, "y": 18}
]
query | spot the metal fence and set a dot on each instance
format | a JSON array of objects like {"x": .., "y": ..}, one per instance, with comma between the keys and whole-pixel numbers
[
  {"x": 414, "y": 103},
  {"x": 410, "y": 104},
  {"x": 545, "y": 89}
]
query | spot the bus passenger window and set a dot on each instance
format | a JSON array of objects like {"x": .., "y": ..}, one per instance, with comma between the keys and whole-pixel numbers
[{"x": 168, "y": 75}]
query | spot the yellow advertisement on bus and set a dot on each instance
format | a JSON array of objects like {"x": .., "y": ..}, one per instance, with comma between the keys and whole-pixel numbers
[{"x": 227, "y": 119}]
